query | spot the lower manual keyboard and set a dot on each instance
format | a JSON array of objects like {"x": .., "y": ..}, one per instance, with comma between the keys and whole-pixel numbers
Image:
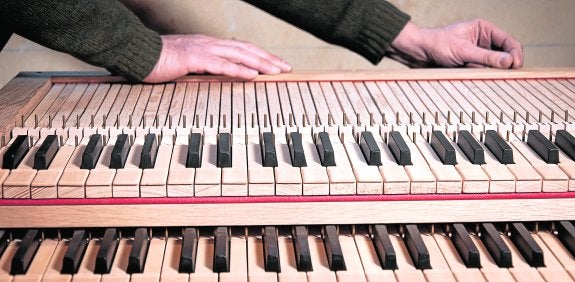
[{"x": 454, "y": 252}]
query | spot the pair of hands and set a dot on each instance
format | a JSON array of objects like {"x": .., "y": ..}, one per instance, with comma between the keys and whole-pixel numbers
[{"x": 475, "y": 43}]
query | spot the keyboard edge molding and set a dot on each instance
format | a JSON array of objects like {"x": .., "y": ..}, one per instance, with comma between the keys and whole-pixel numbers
[{"x": 287, "y": 213}]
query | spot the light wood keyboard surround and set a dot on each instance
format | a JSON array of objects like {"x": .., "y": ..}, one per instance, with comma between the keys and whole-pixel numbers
[{"x": 413, "y": 103}]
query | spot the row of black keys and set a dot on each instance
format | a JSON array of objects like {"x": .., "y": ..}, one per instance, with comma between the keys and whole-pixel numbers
[
  {"x": 548, "y": 151},
  {"x": 490, "y": 236}
]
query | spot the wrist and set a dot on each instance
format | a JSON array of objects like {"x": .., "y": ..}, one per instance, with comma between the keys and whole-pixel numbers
[{"x": 411, "y": 40}]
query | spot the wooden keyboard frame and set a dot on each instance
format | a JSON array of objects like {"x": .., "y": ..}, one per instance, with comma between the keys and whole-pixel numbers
[
  {"x": 280, "y": 210},
  {"x": 20, "y": 94}
]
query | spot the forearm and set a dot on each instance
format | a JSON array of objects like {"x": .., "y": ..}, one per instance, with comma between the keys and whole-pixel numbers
[
  {"x": 366, "y": 27},
  {"x": 100, "y": 32}
]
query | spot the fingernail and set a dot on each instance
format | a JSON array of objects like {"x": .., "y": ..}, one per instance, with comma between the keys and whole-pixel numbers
[
  {"x": 253, "y": 73},
  {"x": 505, "y": 61},
  {"x": 283, "y": 65},
  {"x": 275, "y": 70}
]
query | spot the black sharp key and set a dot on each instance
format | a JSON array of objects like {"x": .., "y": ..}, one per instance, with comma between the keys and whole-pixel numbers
[
  {"x": 543, "y": 147},
  {"x": 92, "y": 152},
  {"x": 296, "y": 150},
  {"x": 526, "y": 245},
  {"x": 471, "y": 147},
  {"x": 16, "y": 152},
  {"x": 224, "y": 157},
  {"x": 149, "y": 151},
  {"x": 333, "y": 248},
  {"x": 566, "y": 234},
  {"x": 416, "y": 248},
  {"x": 137, "y": 258},
  {"x": 75, "y": 252},
  {"x": 25, "y": 253},
  {"x": 4, "y": 239},
  {"x": 369, "y": 148},
  {"x": 120, "y": 152},
  {"x": 325, "y": 149},
  {"x": 498, "y": 147},
  {"x": 465, "y": 247},
  {"x": 222, "y": 250},
  {"x": 107, "y": 252},
  {"x": 269, "y": 155},
  {"x": 194, "y": 158},
  {"x": 565, "y": 141},
  {"x": 492, "y": 240},
  {"x": 301, "y": 249},
  {"x": 443, "y": 148},
  {"x": 189, "y": 251},
  {"x": 46, "y": 152},
  {"x": 383, "y": 247},
  {"x": 271, "y": 251},
  {"x": 399, "y": 148}
]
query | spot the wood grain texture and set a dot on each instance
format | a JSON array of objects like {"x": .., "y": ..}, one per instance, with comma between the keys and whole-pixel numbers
[
  {"x": 18, "y": 98},
  {"x": 411, "y": 74},
  {"x": 205, "y": 98},
  {"x": 287, "y": 213}
]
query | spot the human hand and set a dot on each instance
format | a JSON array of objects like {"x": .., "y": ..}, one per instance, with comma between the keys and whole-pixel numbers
[
  {"x": 183, "y": 54},
  {"x": 475, "y": 43}
]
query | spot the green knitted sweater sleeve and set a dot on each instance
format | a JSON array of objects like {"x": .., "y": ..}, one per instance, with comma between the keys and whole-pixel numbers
[
  {"x": 366, "y": 27},
  {"x": 101, "y": 32}
]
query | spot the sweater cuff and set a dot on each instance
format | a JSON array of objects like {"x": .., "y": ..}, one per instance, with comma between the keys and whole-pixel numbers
[
  {"x": 138, "y": 55},
  {"x": 382, "y": 24}
]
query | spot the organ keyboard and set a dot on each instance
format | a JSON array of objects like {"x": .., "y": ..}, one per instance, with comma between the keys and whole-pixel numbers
[
  {"x": 354, "y": 176},
  {"x": 389, "y": 145},
  {"x": 489, "y": 252}
]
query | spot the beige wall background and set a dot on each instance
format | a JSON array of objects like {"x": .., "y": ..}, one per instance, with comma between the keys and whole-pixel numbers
[{"x": 544, "y": 27}]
